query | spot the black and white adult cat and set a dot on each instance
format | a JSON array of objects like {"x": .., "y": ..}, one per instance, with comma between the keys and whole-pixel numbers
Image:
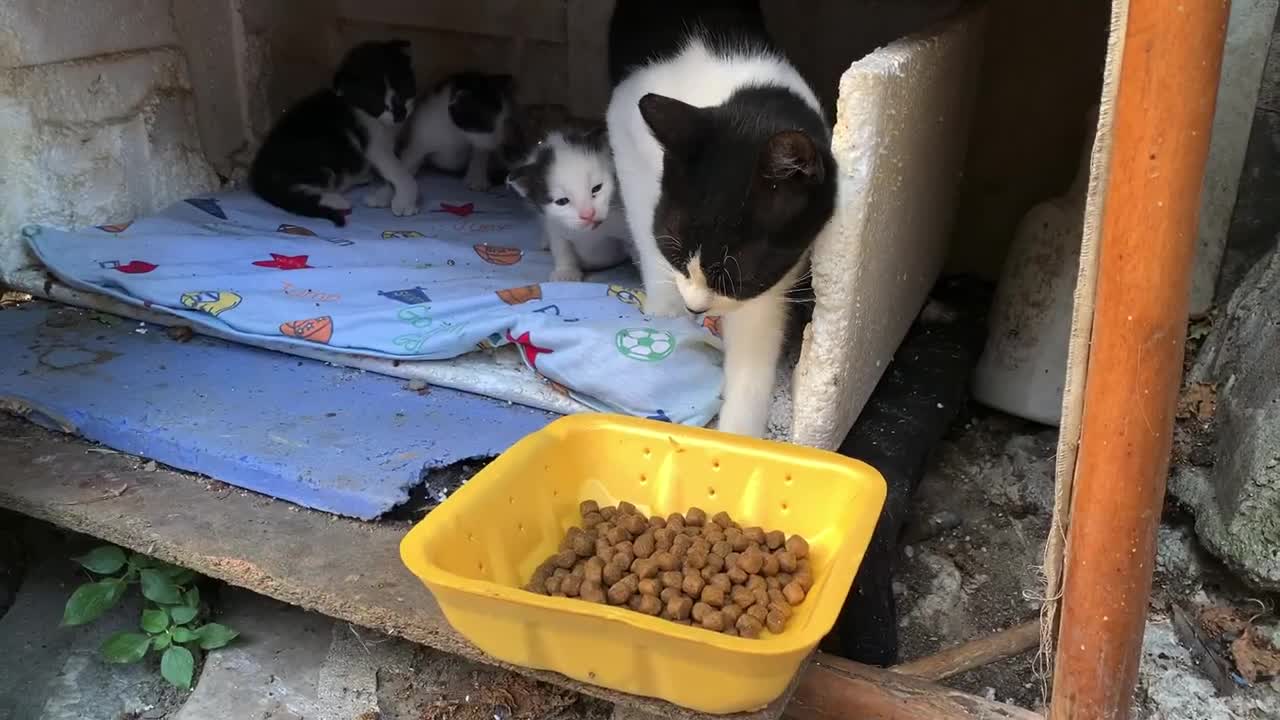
[
  {"x": 724, "y": 167},
  {"x": 338, "y": 137}
]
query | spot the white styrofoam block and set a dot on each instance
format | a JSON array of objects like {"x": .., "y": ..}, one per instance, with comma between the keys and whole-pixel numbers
[{"x": 901, "y": 130}]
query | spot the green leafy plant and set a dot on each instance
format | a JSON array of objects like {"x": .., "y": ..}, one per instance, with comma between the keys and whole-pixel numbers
[{"x": 170, "y": 623}]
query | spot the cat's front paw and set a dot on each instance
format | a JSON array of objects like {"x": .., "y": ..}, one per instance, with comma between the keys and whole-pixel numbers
[
  {"x": 379, "y": 197},
  {"x": 744, "y": 418},
  {"x": 664, "y": 304},
  {"x": 566, "y": 274},
  {"x": 404, "y": 203}
]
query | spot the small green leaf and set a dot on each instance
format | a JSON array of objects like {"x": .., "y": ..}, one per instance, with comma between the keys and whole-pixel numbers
[
  {"x": 177, "y": 665},
  {"x": 161, "y": 641},
  {"x": 215, "y": 635},
  {"x": 191, "y": 598},
  {"x": 155, "y": 621},
  {"x": 103, "y": 560},
  {"x": 125, "y": 647},
  {"x": 139, "y": 561},
  {"x": 183, "y": 577},
  {"x": 158, "y": 588},
  {"x": 184, "y": 635},
  {"x": 182, "y": 614},
  {"x": 90, "y": 600}
]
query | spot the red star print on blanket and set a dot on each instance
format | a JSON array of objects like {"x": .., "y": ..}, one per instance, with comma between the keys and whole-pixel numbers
[
  {"x": 528, "y": 349},
  {"x": 460, "y": 210},
  {"x": 284, "y": 262}
]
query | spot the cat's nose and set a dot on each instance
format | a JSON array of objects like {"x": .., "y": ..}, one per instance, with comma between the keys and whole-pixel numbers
[{"x": 588, "y": 215}]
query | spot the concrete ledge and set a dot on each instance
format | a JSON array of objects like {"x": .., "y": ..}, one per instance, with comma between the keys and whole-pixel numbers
[{"x": 345, "y": 569}]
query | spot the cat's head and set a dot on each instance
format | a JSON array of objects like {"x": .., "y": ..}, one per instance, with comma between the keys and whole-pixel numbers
[
  {"x": 746, "y": 186},
  {"x": 568, "y": 177},
  {"x": 377, "y": 79},
  {"x": 479, "y": 103}
]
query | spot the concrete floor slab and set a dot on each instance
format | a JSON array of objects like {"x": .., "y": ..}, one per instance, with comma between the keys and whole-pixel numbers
[{"x": 271, "y": 671}]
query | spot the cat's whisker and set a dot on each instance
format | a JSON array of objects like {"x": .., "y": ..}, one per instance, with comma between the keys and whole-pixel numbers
[{"x": 735, "y": 265}]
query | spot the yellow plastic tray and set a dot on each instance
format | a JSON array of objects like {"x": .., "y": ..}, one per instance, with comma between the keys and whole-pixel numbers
[{"x": 476, "y": 549}]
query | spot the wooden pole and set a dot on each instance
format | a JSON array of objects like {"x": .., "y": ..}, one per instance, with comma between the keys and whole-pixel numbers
[
  {"x": 974, "y": 654},
  {"x": 1168, "y": 80},
  {"x": 833, "y": 688}
]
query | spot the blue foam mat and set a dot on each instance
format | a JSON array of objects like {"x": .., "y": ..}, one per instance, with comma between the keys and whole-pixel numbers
[{"x": 329, "y": 438}]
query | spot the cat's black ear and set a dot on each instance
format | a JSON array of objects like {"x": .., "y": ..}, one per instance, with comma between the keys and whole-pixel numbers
[
  {"x": 792, "y": 155},
  {"x": 504, "y": 83},
  {"x": 520, "y": 178},
  {"x": 598, "y": 136},
  {"x": 677, "y": 125}
]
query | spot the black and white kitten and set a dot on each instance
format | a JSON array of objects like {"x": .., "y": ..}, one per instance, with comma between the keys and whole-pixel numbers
[
  {"x": 724, "y": 165},
  {"x": 461, "y": 124},
  {"x": 338, "y": 137},
  {"x": 568, "y": 179}
]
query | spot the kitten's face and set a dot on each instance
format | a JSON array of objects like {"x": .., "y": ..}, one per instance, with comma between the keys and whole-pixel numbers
[
  {"x": 377, "y": 78},
  {"x": 739, "y": 208},
  {"x": 569, "y": 179},
  {"x": 478, "y": 102}
]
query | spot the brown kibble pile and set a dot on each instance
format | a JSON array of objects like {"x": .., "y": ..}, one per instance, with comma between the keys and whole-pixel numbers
[{"x": 691, "y": 569}]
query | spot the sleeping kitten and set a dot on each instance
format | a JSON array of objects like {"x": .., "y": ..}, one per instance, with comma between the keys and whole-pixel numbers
[
  {"x": 462, "y": 123},
  {"x": 333, "y": 139},
  {"x": 724, "y": 166},
  {"x": 568, "y": 179}
]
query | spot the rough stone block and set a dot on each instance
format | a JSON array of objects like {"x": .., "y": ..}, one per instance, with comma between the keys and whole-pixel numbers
[
  {"x": 92, "y": 142},
  {"x": 1248, "y": 39},
  {"x": 1237, "y": 501},
  {"x": 36, "y": 32}
]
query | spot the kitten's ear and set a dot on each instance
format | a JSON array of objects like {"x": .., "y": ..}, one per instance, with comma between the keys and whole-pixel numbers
[
  {"x": 519, "y": 178},
  {"x": 792, "y": 155},
  {"x": 677, "y": 125}
]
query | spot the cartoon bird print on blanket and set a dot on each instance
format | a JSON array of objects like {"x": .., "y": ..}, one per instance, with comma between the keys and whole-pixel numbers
[
  {"x": 316, "y": 329},
  {"x": 214, "y": 302},
  {"x": 628, "y": 295}
]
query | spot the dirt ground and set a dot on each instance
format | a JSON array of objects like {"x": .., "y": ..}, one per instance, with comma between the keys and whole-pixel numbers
[{"x": 970, "y": 560}]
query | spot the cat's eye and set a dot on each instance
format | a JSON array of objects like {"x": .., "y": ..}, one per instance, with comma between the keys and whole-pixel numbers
[
  {"x": 597, "y": 188},
  {"x": 562, "y": 201}
]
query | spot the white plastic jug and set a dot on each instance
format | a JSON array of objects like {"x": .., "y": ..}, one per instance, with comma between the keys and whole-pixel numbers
[{"x": 1023, "y": 367}]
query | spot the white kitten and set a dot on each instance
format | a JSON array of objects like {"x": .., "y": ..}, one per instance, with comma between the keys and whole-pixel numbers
[
  {"x": 461, "y": 124},
  {"x": 568, "y": 179}
]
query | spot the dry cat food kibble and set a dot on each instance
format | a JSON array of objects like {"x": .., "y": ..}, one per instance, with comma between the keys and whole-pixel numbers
[{"x": 690, "y": 569}]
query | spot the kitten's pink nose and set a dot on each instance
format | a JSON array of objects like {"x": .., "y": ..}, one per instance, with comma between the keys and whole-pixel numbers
[{"x": 588, "y": 215}]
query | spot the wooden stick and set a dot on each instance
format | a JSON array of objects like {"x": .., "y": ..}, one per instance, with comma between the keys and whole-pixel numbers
[
  {"x": 1168, "y": 79},
  {"x": 836, "y": 689},
  {"x": 975, "y": 653}
]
